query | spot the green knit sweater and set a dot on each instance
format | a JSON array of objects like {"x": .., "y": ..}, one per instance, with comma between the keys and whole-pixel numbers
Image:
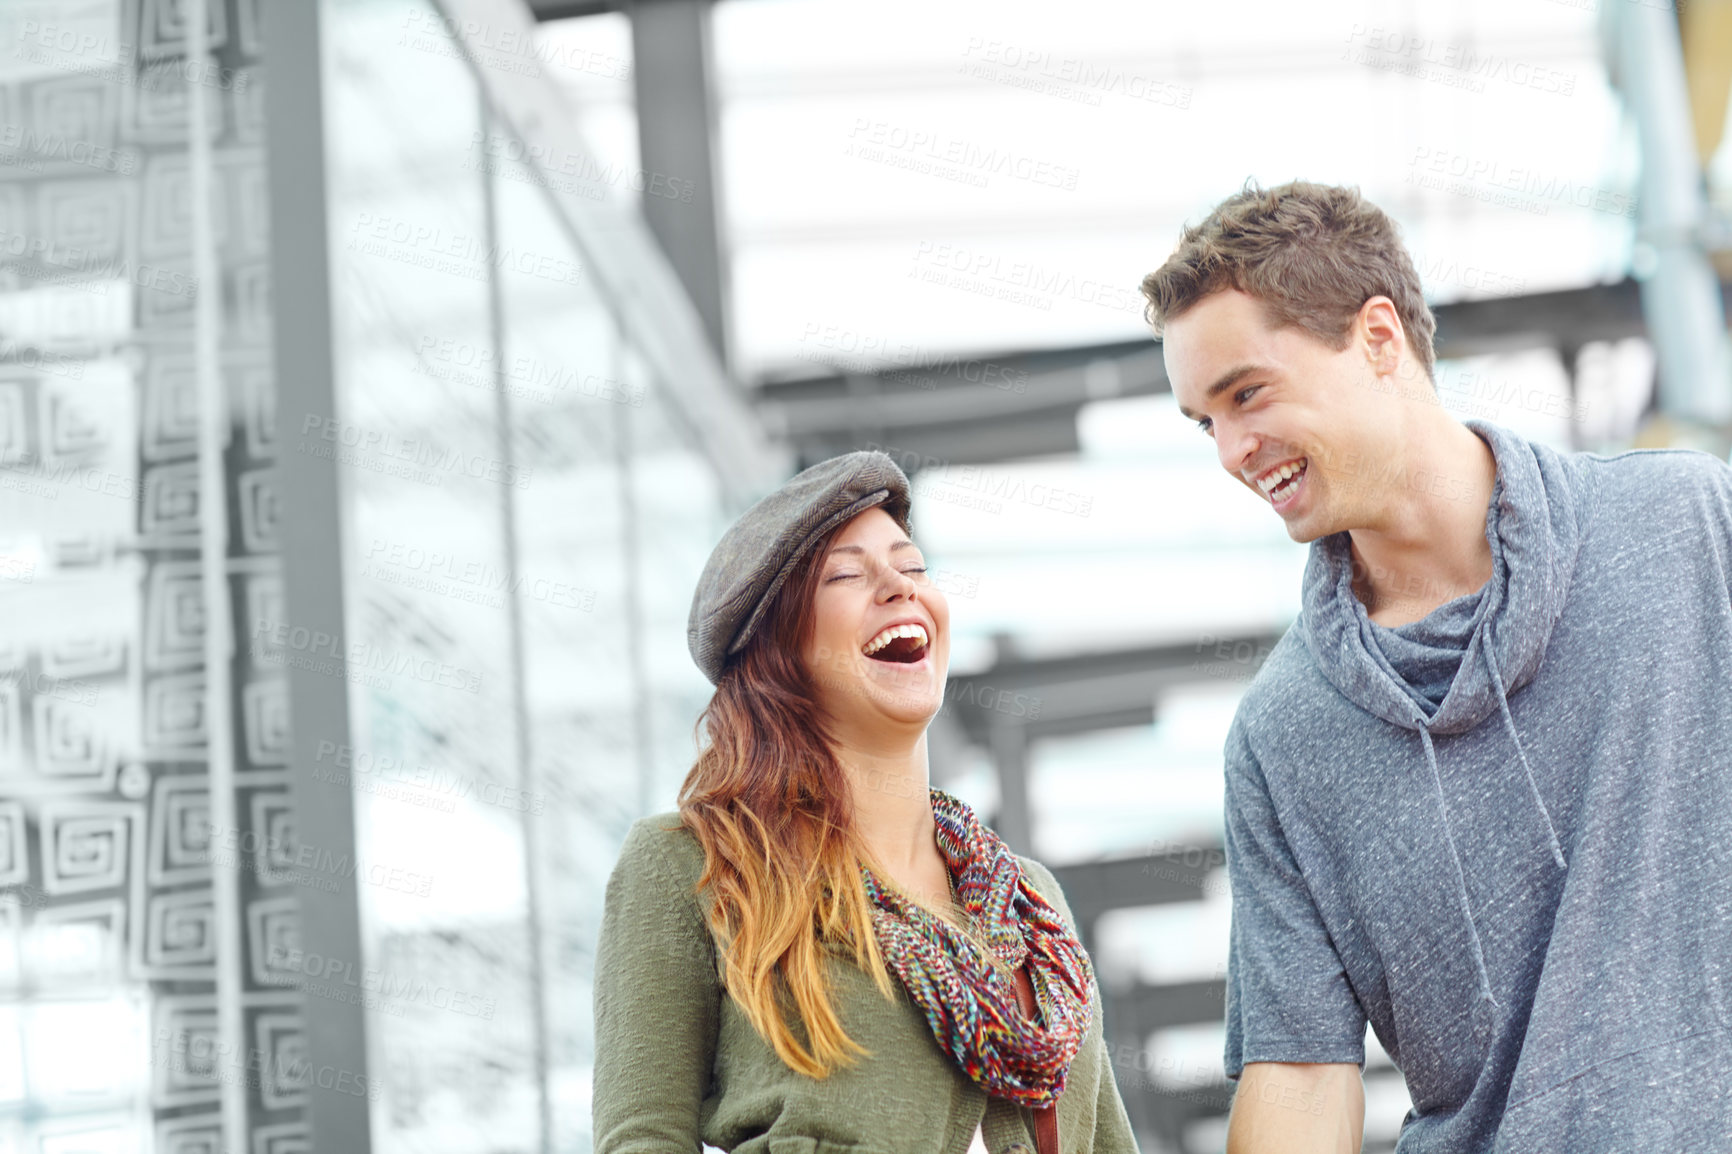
[{"x": 676, "y": 1062}]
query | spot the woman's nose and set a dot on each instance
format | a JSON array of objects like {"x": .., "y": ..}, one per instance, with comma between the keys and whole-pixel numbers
[{"x": 899, "y": 585}]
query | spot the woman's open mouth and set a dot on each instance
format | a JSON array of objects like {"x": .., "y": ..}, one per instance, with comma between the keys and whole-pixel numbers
[{"x": 899, "y": 644}]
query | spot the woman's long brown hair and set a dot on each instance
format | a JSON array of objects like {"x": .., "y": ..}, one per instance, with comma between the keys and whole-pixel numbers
[{"x": 768, "y": 801}]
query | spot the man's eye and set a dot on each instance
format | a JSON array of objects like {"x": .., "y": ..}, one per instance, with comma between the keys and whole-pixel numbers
[
  {"x": 920, "y": 569},
  {"x": 1245, "y": 392},
  {"x": 1205, "y": 425}
]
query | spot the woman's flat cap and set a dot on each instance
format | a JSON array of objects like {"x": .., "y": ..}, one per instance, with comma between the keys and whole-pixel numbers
[{"x": 759, "y": 551}]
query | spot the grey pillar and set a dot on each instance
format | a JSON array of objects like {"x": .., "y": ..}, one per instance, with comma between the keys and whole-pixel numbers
[
  {"x": 1681, "y": 296},
  {"x": 312, "y": 560},
  {"x": 1015, "y": 824},
  {"x": 674, "y": 77}
]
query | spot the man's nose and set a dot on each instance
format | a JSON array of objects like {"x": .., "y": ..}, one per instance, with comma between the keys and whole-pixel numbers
[{"x": 1234, "y": 446}]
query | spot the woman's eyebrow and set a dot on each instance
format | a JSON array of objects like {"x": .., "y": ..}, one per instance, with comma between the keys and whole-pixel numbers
[{"x": 905, "y": 543}]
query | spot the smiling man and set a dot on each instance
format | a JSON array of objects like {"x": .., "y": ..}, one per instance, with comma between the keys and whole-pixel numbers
[{"x": 1480, "y": 794}]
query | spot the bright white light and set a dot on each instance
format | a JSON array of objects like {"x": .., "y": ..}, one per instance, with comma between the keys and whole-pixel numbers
[
  {"x": 1005, "y": 179},
  {"x": 89, "y": 1052}
]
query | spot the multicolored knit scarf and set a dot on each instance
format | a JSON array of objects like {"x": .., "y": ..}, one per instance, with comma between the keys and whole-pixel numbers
[{"x": 971, "y": 1003}]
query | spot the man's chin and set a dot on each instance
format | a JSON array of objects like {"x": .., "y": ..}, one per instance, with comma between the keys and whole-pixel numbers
[{"x": 1305, "y": 528}]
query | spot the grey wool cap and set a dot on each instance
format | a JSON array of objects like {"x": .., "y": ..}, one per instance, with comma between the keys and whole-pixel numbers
[{"x": 759, "y": 551}]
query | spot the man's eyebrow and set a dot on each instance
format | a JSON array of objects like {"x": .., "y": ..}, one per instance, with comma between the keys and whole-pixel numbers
[{"x": 1227, "y": 380}]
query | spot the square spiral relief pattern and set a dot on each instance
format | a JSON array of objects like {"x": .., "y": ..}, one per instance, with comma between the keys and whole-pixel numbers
[
  {"x": 108, "y": 849},
  {"x": 190, "y": 1134},
  {"x": 78, "y": 946},
  {"x": 77, "y": 108}
]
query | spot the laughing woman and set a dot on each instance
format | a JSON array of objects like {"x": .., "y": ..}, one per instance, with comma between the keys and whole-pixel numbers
[{"x": 817, "y": 952}]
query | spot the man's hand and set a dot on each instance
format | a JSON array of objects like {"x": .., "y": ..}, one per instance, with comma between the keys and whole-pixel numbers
[{"x": 1297, "y": 1108}]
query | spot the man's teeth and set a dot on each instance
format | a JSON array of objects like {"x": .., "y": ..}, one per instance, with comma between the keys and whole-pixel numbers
[
  {"x": 1279, "y": 483},
  {"x": 892, "y": 634}
]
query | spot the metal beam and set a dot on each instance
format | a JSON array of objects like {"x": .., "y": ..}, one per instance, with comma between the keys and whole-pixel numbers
[
  {"x": 1178, "y": 875},
  {"x": 522, "y": 749},
  {"x": 1682, "y": 296},
  {"x": 998, "y": 407},
  {"x": 1566, "y": 318},
  {"x": 1178, "y": 1004},
  {"x": 962, "y": 410},
  {"x": 623, "y": 260},
  {"x": 311, "y": 520},
  {"x": 566, "y": 9},
  {"x": 1014, "y": 822},
  {"x": 673, "y": 73},
  {"x": 1113, "y": 688},
  {"x": 1092, "y": 720},
  {"x": 1019, "y": 699}
]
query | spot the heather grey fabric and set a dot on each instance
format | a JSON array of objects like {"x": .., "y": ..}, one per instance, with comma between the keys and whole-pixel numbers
[
  {"x": 1523, "y": 884},
  {"x": 758, "y": 551}
]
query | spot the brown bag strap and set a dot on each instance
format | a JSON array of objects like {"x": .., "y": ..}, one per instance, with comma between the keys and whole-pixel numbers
[{"x": 1045, "y": 1117}]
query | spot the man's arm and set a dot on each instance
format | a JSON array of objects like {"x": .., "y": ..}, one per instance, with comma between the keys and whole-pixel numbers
[{"x": 1298, "y": 1108}]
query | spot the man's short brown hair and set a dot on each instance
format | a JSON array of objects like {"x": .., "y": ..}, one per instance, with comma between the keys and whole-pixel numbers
[{"x": 1311, "y": 254}]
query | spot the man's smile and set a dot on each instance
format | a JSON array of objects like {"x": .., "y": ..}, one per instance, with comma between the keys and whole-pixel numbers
[{"x": 1281, "y": 483}]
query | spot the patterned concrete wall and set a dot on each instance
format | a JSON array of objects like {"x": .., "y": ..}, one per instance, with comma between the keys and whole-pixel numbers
[{"x": 109, "y": 920}]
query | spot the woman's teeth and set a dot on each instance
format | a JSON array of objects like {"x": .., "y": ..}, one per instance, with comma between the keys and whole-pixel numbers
[
  {"x": 1279, "y": 485},
  {"x": 895, "y": 633}
]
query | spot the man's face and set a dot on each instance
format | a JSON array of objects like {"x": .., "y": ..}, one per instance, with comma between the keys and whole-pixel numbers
[{"x": 1294, "y": 421}]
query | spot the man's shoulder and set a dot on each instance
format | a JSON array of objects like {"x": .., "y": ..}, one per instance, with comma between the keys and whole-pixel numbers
[
  {"x": 1289, "y": 705},
  {"x": 1289, "y": 674},
  {"x": 1647, "y": 497},
  {"x": 1655, "y": 473}
]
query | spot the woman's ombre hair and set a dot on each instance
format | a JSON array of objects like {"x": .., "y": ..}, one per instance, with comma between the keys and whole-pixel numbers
[{"x": 768, "y": 800}]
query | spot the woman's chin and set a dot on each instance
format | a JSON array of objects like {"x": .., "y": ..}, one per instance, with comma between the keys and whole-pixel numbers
[
  {"x": 909, "y": 711},
  {"x": 908, "y": 691}
]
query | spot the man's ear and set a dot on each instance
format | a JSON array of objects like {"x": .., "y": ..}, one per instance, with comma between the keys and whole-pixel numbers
[{"x": 1378, "y": 328}]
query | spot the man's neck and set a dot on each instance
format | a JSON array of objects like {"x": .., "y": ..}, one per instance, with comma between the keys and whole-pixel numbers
[{"x": 1428, "y": 544}]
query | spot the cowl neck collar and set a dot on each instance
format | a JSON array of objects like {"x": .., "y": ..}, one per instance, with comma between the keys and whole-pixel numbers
[
  {"x": 1495, "y": 638},
  {"x": 1500, "y": 631}
]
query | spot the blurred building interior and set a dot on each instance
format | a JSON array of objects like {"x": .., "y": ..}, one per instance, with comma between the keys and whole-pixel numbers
[{"x": 377, "y": 375}]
